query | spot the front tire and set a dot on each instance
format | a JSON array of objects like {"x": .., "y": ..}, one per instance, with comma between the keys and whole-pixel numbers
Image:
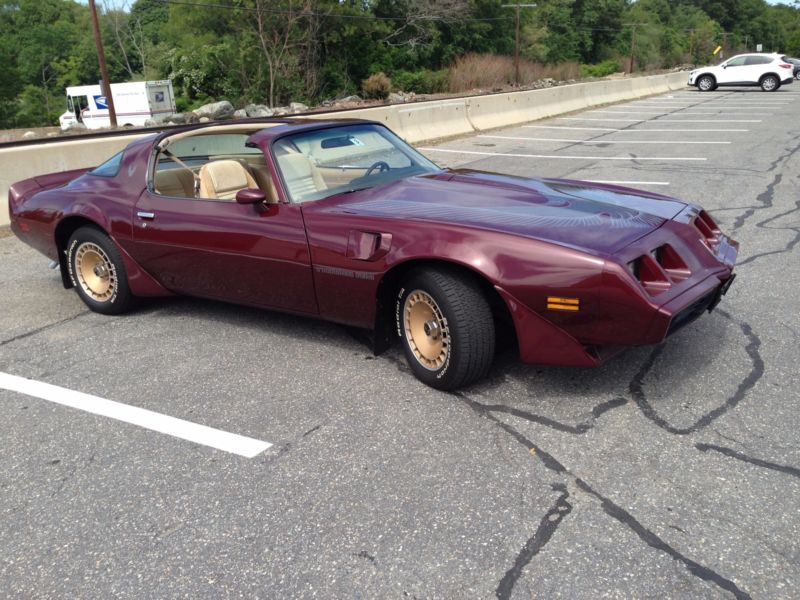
[
  {"x": 446, "y": 327},
  {"x": 97, "y": 271},
  {"x": 770, "y": 83},
  {"x": 706, "y": 83}
]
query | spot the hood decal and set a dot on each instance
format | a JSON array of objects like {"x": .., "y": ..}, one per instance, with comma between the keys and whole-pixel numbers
[{"x": 574, "y": 213}]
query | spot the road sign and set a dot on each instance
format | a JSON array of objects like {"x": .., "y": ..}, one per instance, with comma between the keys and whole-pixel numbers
[{"x": 717, "y": 49}]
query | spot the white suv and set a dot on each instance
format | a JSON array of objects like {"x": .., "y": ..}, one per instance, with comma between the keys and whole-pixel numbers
[{"x": 769, "y": 71}]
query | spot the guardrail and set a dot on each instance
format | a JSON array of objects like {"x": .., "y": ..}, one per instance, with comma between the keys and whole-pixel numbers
[{"x": 416, "y": 122}]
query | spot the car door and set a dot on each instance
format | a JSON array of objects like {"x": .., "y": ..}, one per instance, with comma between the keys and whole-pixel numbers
[
  {"x": 733, "y": 71},
  {"x": 756, "y": 66},
  {"x": 218, "y": 248}
]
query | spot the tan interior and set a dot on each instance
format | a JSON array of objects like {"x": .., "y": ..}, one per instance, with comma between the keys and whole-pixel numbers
[
  {"x": 336, "y": 176},
  {"x": 301, "y": 175},
  {"x": 175, "y": 182},
  {"x": 221, "y": 179}
]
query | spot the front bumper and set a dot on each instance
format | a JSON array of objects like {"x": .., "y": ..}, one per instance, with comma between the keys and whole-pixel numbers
[{"x": 706, "y": 303}]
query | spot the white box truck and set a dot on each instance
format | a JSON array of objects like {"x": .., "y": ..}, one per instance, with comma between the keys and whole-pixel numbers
[{"x": 134, "y": 102}]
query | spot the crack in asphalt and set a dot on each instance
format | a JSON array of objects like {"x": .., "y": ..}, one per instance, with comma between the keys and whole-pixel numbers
[
  {"x": 651, "y": 539},
  {"x": 547, "y": 527},
  {"x": 27, "y": 334},
  {"x": 730, "y": 452},
  {"x": 613, "y": 510},
  {"x": 765, "y": 198},
  {"x": 364, "y": 554},
  {"x": 789, "y": 246},
  {"x": 636, "y": 386},
  {"x": 578, "y": 429}
]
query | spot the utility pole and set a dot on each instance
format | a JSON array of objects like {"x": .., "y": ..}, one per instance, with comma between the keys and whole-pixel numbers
[
  {"x": 725, "y": 35},
  {"x": 633, "y": 45},
  {"x": 516, "y": 45},
  {"x": 105, "y": 84}
]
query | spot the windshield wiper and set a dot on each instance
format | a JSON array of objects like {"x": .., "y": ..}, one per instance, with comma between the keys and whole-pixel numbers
[{"x": 356, "y": 189}]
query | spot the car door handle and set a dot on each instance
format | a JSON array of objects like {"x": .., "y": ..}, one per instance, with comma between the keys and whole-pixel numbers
[{"x": 148, "y": 216}]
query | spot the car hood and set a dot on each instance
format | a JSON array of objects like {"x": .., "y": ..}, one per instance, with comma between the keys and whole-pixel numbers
[{"x": 586, "y": 216}]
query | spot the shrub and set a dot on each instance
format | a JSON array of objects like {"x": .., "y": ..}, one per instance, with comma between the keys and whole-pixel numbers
[
  {"x": 423, "y": 81},
  {"x": 491, "y": 71},
  {"x": 435, "y": 82},
  {"x": 607, "y": 67},
  {"x": 377, "y": 85}
]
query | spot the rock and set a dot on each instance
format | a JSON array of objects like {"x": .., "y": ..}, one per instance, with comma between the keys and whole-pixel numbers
[
  {"x": 353, "y": 98},
  {"x": 28, "y": 135},
  {"x": 216, "y": 110},
  {"x": 240, "y": 114},
  {"x": 177, "y": 118},
  {"x": 258, "y": 110},
  {"x": 280, "y": 110},
  {"x": 297, "y": 107},
  {"x": 203, "y": 120},
  {"x": 328, "y": 103},
  {"x": 397, "y": 98}
]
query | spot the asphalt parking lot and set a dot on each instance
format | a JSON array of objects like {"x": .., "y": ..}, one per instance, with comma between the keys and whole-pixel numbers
[{"x": 671, "y": 472}]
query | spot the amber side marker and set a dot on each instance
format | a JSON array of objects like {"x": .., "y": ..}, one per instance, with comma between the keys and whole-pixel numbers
[{"x": 568, "y": 304}]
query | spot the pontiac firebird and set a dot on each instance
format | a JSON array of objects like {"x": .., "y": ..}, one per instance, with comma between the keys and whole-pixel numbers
[{"x": 342, "y": 220}]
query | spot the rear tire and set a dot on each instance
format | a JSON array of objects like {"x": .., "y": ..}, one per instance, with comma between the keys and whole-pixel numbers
[
  {"x": 706, "y": 83},
  {"x": 770, "y": 83},
  {"x": 97, "y": 271},
  {"x": 446, "y": 327}
]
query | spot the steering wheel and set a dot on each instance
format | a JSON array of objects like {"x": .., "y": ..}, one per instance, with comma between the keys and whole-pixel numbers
[{"x": 381, "y": 166}]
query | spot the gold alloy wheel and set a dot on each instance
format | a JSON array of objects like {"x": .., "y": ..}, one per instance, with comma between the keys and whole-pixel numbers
[
  {"x": 96, "y": 273},
  {"x": 426, "y": 330}
]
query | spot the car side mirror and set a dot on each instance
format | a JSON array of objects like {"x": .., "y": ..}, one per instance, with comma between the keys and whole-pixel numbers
[
  {"x": 250, "y": 196},
  {"x": 724, "y": 66}
]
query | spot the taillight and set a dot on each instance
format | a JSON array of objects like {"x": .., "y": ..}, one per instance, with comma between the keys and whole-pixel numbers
[{"x": 785, "y": 66}]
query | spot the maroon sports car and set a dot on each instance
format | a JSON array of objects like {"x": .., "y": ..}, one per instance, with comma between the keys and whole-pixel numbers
[{"x": 344, "y": 221}]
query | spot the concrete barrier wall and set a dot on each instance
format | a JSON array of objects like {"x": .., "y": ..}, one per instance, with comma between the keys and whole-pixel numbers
[
  {"x": 415, "y": 123},
  {"x": 24, "y": 162}
]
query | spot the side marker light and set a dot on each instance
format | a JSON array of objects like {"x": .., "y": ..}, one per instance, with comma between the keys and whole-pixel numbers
[{"x": 568, "y": 304}]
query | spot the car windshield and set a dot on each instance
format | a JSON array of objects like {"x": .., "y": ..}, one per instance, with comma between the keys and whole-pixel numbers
[{"x": 319, "y": 164}]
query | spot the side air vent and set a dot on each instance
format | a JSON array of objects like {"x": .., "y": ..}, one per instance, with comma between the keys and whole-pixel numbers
[
  {"x": 659, "y": 269},
  {"x": 708, "y": 229},
  {"x": 650, "y": 274},
  {"x": 672, "y": 263}
]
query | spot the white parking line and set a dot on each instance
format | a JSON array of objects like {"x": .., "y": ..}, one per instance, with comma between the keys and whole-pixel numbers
[
  {"x": 536, "y": 139},
  {"x": 186, "y": 430},
  {"x": 450, "y": 151},
  {"x": 680, "y": 113},
  {"x": 627, "y": 182},
  {"x": 708, "y": 121},
  {"x": 662, "y": 120},
  {"x": 709, "y": 101},
  {"x": 566, "y": 127},
  {"x": 590, "y": 119}
]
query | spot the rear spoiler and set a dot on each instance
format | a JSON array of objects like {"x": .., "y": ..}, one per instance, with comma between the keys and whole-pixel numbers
[{"x": 25, "y": 188}]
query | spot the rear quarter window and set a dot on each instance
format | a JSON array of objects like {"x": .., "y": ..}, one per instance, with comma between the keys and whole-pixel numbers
[{"x": 110, "y": 168}]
